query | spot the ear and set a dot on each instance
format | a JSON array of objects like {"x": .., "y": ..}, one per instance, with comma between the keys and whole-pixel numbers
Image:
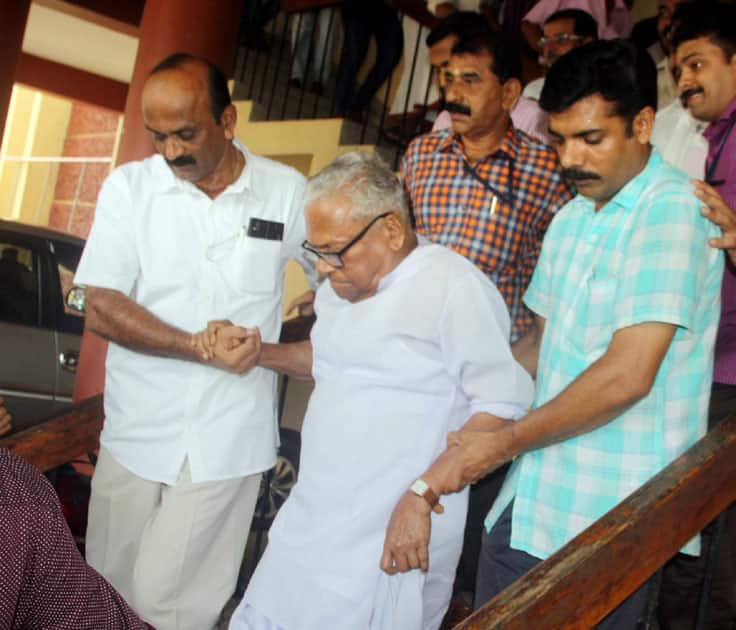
[
  {"x": 395, "y": 229},
  {"x": 642, "y": 125},
  {"x": 510, "y": 92},
  {"x": 228, "y": 119}
]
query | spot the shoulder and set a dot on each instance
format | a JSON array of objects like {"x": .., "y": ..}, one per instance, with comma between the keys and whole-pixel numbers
[
  {"x": 454, "y": 272},
  {"x": 21, "y": 483},
  {"x": 270, "y": 172},
  {"x": 534, "y": 155},
  {"x": 426, "y": 144},
  {"x": 140, "y": 176}
]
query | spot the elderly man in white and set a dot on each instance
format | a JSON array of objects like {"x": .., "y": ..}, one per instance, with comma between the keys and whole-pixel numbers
[{"x": 410, "y": 343}]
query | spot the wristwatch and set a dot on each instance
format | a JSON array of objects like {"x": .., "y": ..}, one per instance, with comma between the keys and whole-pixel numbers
[{"x": 421, "y": 489}]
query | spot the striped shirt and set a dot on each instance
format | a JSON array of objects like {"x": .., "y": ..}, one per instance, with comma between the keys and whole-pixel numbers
[
  {"x": 643, "y": 257},
  {"x": 494, "y": 213}
]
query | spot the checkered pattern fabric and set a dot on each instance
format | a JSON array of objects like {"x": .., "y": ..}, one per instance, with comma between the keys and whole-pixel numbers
[
  {"x": 494, "y": 213},
  {"x": 643, "y": 257}
]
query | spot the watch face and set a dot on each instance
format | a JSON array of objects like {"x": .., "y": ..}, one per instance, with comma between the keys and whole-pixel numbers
[{"x": 419, "y": 487}]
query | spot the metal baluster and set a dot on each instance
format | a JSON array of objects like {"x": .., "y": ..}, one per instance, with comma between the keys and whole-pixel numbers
[
  {"x": 307, "y": 67},
  {"x": 291, "y": 65},
  {"x": 325, "y": 52},
  {"x": 284, "y": 38},
  {"x": 265, "y": 75},
  {"x": 408, "y": 89},
  {"x": 387, "y": 95}
]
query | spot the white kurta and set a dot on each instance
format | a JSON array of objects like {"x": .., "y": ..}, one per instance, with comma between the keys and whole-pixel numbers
[{"x": 393, "y": 374}]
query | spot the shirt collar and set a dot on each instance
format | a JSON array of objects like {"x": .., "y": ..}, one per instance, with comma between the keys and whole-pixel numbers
[
  {"x": 715, "y": 128},
  {"x": 172, "y": 183},
  {"x": 510, "y": 146},
  {"x": 629, "y": 196}
]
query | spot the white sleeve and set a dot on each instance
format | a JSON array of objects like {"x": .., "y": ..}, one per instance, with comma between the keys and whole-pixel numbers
[
  {"x": 296, "y": 233},
  {"x": 475, "y": 343},
  {"x": 110, "y": 258}
]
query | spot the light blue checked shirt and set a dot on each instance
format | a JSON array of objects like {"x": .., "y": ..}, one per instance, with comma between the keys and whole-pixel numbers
[{"x": 644, "y": 257}]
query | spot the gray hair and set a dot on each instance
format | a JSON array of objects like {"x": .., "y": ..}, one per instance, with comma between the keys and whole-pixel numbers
[{"x": 366, "y": 180}]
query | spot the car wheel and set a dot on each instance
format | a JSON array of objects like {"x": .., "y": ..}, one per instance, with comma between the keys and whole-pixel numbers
[{"x": 276, "y": 484}]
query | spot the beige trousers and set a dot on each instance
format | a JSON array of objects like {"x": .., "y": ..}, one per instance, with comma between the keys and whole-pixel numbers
[{"x": 173, "y": 552}]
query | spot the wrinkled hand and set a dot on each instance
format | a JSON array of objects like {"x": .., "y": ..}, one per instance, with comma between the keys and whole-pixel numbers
[
  {"x": 237, "y": 349},
  {"x": 204, "y": 341},
  {"x": 303, "y": 305},
  {"x": 406, "y": 545},
  {"x": 6, "y": 420},
  {"x": 720, "y": 213}
]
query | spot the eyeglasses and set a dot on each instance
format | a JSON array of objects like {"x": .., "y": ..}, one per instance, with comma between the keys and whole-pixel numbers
[
  {"x": 334, "y": 259},
  {"x": 561, "y": 38}
]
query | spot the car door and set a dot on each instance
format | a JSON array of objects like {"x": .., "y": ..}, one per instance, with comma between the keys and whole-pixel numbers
[
  {"x": 27, "y": 341},
  {"x": 64, "y": 258}
]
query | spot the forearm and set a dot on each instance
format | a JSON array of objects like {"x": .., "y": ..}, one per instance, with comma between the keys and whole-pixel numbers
[
  {"x": 292, "y": 359},
  {"x": 116, "y": 317},
  {"x": 532, "y": 34}
]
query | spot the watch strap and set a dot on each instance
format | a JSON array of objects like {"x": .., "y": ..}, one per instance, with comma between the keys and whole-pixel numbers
[{"x": 421, "y": 488}]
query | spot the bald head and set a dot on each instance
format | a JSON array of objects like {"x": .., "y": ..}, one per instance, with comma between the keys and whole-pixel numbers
[{"x": 189, "y": 129}]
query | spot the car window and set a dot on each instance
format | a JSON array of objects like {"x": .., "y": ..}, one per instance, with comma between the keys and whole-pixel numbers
[
  {"x": 19, "y": 284},
  {"x": 65, "y": 257}
]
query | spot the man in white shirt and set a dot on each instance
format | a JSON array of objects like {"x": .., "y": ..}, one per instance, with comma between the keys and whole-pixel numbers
[
  {"x": 203, "y": 230},
  {"x": 411, "y": 341}
]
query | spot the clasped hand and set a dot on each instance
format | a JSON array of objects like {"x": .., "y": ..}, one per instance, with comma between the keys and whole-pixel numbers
[{"x": 229, "y": 347}]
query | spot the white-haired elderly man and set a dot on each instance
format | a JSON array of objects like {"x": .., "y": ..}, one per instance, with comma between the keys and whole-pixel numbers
[{"x": 410, "y": 343}]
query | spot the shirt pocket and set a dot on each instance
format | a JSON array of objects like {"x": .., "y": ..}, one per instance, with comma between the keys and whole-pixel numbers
[{"x": 253, "y": 266}]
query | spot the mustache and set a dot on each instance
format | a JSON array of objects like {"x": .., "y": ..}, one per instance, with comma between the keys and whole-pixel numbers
[
  {"x": 458, "y": 108},
  {"x": 690, "y": 92},
  {"x": 576, "y": 175},
  {"x": 182, "y": 160}
]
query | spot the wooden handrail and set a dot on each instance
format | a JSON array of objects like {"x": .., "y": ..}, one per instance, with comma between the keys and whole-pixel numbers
[
  {"x": 61, "y": 438},
  {"x": 586, "y": 579}
]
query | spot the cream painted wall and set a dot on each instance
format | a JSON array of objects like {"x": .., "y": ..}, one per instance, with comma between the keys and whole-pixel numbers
[
  {"x": 72, "y": 41},
  {"x": 36, "y": 126}
]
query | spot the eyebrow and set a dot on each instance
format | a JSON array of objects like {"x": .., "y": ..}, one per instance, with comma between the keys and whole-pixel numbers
[
  {"x": 578, "y": 134},
  {"x": 690, "y": 56},
  {"x": 169, "y": 133}
]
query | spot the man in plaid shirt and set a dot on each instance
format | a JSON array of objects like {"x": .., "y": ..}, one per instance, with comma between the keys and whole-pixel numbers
[
  {"x": 626, "y": 295},
  {"x": 483, "y": 188}
]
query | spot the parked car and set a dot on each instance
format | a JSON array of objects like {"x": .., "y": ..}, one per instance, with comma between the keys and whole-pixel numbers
[{"x": 39, "y": 334}]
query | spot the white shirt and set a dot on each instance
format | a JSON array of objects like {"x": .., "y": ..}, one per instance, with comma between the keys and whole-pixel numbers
[
  {"x": 393, "y": 374},
  {"x": 679, "y": 138},
  {"x": 533, "y": 89},
  {"x": 187, "y": 259}
]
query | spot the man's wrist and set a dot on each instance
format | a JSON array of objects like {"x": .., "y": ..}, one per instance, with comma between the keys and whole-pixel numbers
[{"x": 422, "y": 489}]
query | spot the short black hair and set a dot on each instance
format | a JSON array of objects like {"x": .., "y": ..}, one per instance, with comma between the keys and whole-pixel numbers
[
  {"x": 584, "y": 23},
  {"x": 706, "y": 18},
  {"x": 505, "y": 55},
  {"x": 216, "y": 80},
  {"x": 621, "y": 73},
  {"x": 460, "y": 23}
]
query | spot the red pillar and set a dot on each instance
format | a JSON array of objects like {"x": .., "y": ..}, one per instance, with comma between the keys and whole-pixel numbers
[
  {"x": 14, "y": 16},
  {"x": 205, "y": 29}
]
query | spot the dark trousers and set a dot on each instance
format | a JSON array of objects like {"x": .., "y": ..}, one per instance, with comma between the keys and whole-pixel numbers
[
  {"x": 361, "y": 20},
  {"x": 682, "y": 577},
  {"x": 500, "y": 566}
]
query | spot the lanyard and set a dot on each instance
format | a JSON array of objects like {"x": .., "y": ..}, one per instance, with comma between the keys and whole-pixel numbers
[
  {"x": 507, "y": 197},
  {"x": 714, "y": 164}
]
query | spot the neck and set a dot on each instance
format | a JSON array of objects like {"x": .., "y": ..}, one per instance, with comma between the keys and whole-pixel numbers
[
  {"x": 227, "y": 171},
  {"x": 478, "y": 147}
]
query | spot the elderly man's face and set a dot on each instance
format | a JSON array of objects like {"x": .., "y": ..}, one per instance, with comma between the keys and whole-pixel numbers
[
  {"x": 477, "y": 101},
  {"x": 598, "y": 152},
  {"x": 176, "y": 110},
  {"x": 330, "y": 227}
]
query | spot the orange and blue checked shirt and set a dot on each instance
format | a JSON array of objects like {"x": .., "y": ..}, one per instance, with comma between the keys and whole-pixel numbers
[{"x": 494, "y": 213}]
